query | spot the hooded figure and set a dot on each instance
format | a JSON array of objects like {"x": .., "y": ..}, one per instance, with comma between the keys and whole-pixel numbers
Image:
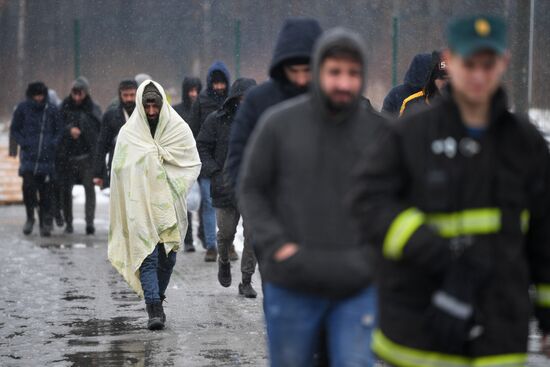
[
  {"x": 296, "y": 175},
  {"x": 184, "y": 108},
  {"x": 212, "y": 145},
  {"x": 294, "y": 45},
  {"x": 112, "y": 121},
  {"x": 210, "y": 100},
  {"x": 414, "y": 81},
  {"x": 150, "y": 178}
]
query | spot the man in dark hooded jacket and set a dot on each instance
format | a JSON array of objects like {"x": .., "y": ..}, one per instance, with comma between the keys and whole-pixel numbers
[
  {"x": 190, "y": 90},
  {"x": 289, "y": 77},
  {"x": 82, "y": 119},
  {"x": 210, "y": 99},
  {"x": 295, "y": 175},
  {"x": 113, "y": 120},
  {"x": 414, "y": 81},
  {"x": 212, "y": 145},
  {"x": 37, "y": 127}
]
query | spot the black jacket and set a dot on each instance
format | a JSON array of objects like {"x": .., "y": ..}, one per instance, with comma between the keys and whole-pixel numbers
[
  {"x": 295, "y": 175},
  {"x": 428, "y": 181},
  {"x": 212, "y": 144},
  {"x": 113, "y": 120},
  {"x": 414, "y": 80},
  {"x": 295, "y": 40},
  {"x": 184, "y": 108},
  {"x": 37, "y": 129},
  {"x": 208, "y": 101},
  {"x": 87, "y": 117}
]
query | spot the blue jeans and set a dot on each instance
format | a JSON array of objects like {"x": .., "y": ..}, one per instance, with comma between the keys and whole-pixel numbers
[
  {"x": 155, "y": 272},
  {"x": 208, "y": 214},
  {"x": 294, "y": 321}
]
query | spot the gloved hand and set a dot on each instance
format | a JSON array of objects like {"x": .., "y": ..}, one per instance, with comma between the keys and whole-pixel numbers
[{"x": 450, "y": 318}]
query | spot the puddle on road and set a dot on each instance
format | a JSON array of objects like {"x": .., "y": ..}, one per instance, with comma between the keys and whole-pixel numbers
[
  {"x": 96, "y": 327},
  {"x": 222, "y": 356},
  {"x": 121, "y": 353},
  {"x": 53, "y": 245}
]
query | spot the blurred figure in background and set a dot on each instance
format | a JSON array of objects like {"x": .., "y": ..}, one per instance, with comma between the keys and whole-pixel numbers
[
  {"x": 289, "y": 77},
  {"x": 210, "y": 99},
  {"x": 190, "y": 90},
  {"x": 37, "y": 128},
  {"x": 437, "y": 80},
  {"x": 414, "y": 80},
  {"x": 82, "y": 118},
  {"x": 212, "y": 144},
  {"x": 113, "y": 120},
  {"x": 296, "y": 173},
  {"x": 457, "y": 200}
]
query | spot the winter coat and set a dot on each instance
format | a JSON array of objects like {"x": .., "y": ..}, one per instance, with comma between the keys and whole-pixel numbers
[
  {"x": 208, "y": 101},
  {"x": 184, "y": 108},
  {"x": 112, "y": 121},
  {"x": 414, "y": 81},
  {"x": 295, "y": 176},
  {"x": 213, "y": 140},
  {"x": 295, "y": 40},
  {"x": 87, "y": 117},
  {"x": 428, "y": 181},
  {"x": 37, "y": 129}
]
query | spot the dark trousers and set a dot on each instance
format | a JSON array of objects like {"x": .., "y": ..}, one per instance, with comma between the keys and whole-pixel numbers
[
  {"x": 155, "y": 272},
  {"x": 80, "y": 172},
  {"x": 228, "y": 219},
  {"x": 36, "y": 194},
  {"x": 189, "y": 234},
  {"x": 55, "y": 195}
]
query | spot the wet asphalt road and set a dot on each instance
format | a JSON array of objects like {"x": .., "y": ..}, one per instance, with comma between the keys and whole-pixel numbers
[{"x": 62, "y": 304}]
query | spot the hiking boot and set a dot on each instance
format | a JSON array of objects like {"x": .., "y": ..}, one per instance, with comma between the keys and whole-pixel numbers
[
  {"x": 224, "y": 273},
  {"x": 245, "y": 288},
  {"x": 45, "y": 230},
  {"x": 59, "y": 220},
  {"x": 27, "y": 228},
  {"x": 155, "y": 312},
  {"x": 69, "y": 228},
  {"x": 188, "y": 247},
  {"x": 211, "y": 255},
  {"x": 233, "y": 256},
  {"x": 90, "y": 230}
]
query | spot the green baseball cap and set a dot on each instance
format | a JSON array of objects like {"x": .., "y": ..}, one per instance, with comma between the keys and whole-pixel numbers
[{"x": 469, "y": 35}]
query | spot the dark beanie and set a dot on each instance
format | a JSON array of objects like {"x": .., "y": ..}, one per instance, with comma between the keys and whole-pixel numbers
[
  {"x": 36, "y": 88},
  {"x": 151, "y": 95},
  {"x": 127, "y": 84}
]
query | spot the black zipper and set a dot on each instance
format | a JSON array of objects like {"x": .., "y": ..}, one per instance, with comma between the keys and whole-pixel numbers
[{"x": 41, "y": 139}]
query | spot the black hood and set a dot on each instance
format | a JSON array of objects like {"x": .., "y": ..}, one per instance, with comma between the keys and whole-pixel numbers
[
  {"x": 295, "y": 41},
  {"x": 238, "y": 89},
  {"x": 87, "y": 104},
  {"x": 419, "y": 70},
  {"x": 331, "y": 38},
  {"x": 188, "y": 84}
]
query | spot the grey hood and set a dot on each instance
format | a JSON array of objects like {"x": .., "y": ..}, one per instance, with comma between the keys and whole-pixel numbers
[{"x": 331, "y": 38}]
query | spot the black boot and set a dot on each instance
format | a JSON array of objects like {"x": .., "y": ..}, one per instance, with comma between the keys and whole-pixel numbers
[
  {"x": 27, "y": 228},
  {"x": 59, "y": 219},
  {"x": 45, "y": 230},
  {"x": 188, "y": 247},
  {"x": 224, "y": 273},
  {"x": 155, "y": 312},
  {"x": 162, "y": 300},
  {"x": 69, "y": 228},
  {"x": 245, "y": 288},
  {"x": 90, "y": 230}
]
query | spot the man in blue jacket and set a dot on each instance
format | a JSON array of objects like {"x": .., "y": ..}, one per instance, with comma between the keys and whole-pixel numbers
[{"x": 37, "y": 128}]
